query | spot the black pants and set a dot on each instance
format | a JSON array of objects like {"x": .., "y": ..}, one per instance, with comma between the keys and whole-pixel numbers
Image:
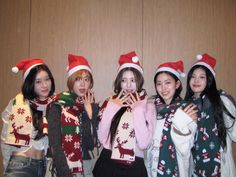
[{"x": 106, "y": 167}]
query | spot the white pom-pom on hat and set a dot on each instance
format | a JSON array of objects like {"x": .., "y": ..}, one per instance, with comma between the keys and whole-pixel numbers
[
  {"x": 135, "y": 59},
  {"x": 26, "y": 65},
  {"x": 207, "y": 61},
  {"x": 130, "y": 60},
  {"x": 199, "y": 57},
  {"x": 14, "y": 69}
]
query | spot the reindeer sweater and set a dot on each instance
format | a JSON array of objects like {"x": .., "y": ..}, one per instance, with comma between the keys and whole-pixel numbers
[
  {"x": 144, "y": 122},
  {"x": 17, "y": 141},
  {"x": 88, "y": 128}
]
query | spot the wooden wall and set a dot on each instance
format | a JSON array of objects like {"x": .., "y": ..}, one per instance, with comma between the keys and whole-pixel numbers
[{"x": 158, "y": 30}]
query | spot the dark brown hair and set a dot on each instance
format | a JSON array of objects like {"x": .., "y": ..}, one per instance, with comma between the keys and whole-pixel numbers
[
  {"x": 29, "y": 94},
  {"x": 138, "y": 79}
]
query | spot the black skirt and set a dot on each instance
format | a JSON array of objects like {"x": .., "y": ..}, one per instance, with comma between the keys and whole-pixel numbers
[{"x": 106, "y": 167}]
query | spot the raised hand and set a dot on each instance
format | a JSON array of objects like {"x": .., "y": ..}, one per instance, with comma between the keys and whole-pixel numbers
[
  {"x": 88, "y": 99},
  {"x": 191, "y": 110},
  {"x": 121, "y": 99},
  {"x": 133, "y": 98}
]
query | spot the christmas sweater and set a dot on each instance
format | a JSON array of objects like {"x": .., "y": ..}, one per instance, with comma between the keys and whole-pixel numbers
[
  {"x": 180, "y": 143},
  {"x": 143, "y": 116},
  {"x": 18, "y": 132},
  {"x": 207, "y": 151},
  {"x": 68, "y": 118}
]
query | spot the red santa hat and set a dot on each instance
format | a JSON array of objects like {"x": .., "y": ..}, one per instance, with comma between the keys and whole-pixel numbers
[
  {"x": 130, "y": 60},
  {"x": 207, "y": 61},
  {"x": 27, "y": 65},
  {"x": 176, "y": 68},
  {"x": 77, "y": 63}
]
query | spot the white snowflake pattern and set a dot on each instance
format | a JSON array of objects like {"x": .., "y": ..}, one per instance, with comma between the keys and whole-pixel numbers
[
  {"x": 77, "y": 145},
  {"x": 168, "y": 171},
  {"x": 212, "y": 145},
  {"x": 68, "y": 138}
]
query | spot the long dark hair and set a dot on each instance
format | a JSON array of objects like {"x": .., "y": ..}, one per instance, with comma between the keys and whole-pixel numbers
[
  {"x": 178, "y": 90},
  {"x": 137, "y": 75},
  {"x": 214, "y": 96},
  {"x": 29, "y": 94},
  {"x": 117, "y": 88}
]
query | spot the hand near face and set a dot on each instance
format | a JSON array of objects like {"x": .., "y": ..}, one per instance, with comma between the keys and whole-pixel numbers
[
  {"x": 121, "y": 99},
  {"x": 126, "y": 99},
  {"x": 88, "y": 99},
  {"x": 133, "y": 98},
  {"x": 191, "y": 110}
]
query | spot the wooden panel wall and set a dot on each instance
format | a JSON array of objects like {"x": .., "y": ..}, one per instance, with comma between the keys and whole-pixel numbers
[
  {"x": 182, "y": 29},
  {"x": 102, "y": 30},
  {"x": 98, "y": 30},
  {"x": 14, "y": 44}
]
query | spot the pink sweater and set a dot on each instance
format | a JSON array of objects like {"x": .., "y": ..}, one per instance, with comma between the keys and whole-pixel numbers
[{"x": 144, "y": 115}]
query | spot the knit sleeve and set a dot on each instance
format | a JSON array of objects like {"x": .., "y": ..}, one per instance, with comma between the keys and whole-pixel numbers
[
  {"x": 229, "y": 121},
  {"x": 182, "y": 132},
  {"x": 54, "y": 134},
  {"x": 144, "y": 116},
  {"x": 6, "y": 149},
  {"x": 105, "y": 123}
]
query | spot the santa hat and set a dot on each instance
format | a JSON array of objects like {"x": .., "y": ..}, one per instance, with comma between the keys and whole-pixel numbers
[
  {"x": 130, "y": 60},
  {"x": 77, "y": 63},
  {"x": 27, "y": 65},
  {"x": 207, "y": 61},
  {"x": 176, "y": 68}
]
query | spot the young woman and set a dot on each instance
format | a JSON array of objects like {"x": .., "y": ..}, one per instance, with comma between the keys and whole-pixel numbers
[
  {"x": 170, "y": 150},
  {"x": 212, "y": 152},
  {"x": 126, "y": 124},
  {"x": 72, "y": 122},
  {"x": 24, "y": 135}
]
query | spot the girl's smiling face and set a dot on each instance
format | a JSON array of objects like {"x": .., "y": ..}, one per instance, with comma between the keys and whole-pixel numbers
[
  {"x": 166, "y": 86},
  {"x": 128, "y": 82},
  {"x": 42, "y": 84},
  {"x": 198, "y": 81}
]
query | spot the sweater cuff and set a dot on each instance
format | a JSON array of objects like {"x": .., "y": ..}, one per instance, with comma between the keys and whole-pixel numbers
[
  {"x": 181, "y": 120},
  {"x": 113, "y": 106}
]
